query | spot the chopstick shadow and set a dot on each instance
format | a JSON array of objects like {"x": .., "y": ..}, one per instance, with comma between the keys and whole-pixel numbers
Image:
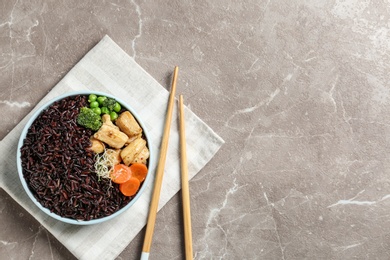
[
  {"x": 181, "y": 224},
  {"x": 168, "y": 77}
]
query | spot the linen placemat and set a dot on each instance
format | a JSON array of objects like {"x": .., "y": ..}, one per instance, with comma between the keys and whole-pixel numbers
[{"x": 107, "y": 68}]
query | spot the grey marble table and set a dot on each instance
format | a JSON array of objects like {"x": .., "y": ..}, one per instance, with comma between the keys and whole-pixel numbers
[{"x": 297, "y": 89}]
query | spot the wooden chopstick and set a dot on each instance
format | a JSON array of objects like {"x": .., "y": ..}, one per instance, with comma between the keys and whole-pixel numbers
[
  {"x": 184, "y": 184},
  {"x": 159, "y": 172}
]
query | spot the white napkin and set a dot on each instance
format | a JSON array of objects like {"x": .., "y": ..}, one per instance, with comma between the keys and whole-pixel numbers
[{"x": 109, "y": 69}]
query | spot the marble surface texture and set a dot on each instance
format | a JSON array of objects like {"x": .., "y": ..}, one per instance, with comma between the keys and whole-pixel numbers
[{"x": 297, "y": 89}]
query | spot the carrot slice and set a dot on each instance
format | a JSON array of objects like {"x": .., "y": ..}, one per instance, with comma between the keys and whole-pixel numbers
[
  {"x": 139, "y": 171},
  {"x": 120, "y": 174},
  {"x": 130, "y": 187}
]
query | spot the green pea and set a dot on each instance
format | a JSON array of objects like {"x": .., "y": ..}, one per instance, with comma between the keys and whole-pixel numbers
[
  {"x": 117, "y": 107},
  {"x": 97, "y": 110},
  {"x": 105, "y": 110},
  {"x": 101, "y": 99},
  {"x": 113, "y": 115},
  {"x": 94, "y": 104},
  {"x": 92, "y": 98}
]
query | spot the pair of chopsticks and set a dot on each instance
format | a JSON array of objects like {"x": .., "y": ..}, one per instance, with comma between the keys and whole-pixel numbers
[{"x": 159, "y": 177}]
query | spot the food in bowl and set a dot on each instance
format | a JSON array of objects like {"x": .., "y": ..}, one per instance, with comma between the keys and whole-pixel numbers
[{"x": 84, "y": 157}]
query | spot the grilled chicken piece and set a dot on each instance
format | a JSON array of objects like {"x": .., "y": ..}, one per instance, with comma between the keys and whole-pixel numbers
[
  {"x": 114, "y": 155},
  {"x": 142, "y": 156},
  {"x": 129, "y": 153},
  {"x": 96, "y": 145},
  {"x": 107, "y": 120},
  {"x": 109, "y": 134},
  {"x": 127, "y": 124}
]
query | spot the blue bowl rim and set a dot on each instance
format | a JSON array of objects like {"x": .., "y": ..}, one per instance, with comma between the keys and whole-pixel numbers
[{"x": 24, "y": 183}]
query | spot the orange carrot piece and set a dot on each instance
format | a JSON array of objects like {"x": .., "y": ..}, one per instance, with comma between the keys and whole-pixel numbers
[
  {"x": 130, "y": 187},
  {"x": 120, "y": 174},
  {"x": 139, "y": 171}
]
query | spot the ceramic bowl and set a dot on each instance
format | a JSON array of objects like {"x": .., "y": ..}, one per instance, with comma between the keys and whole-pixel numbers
[{"x": 30, "y": 193}]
